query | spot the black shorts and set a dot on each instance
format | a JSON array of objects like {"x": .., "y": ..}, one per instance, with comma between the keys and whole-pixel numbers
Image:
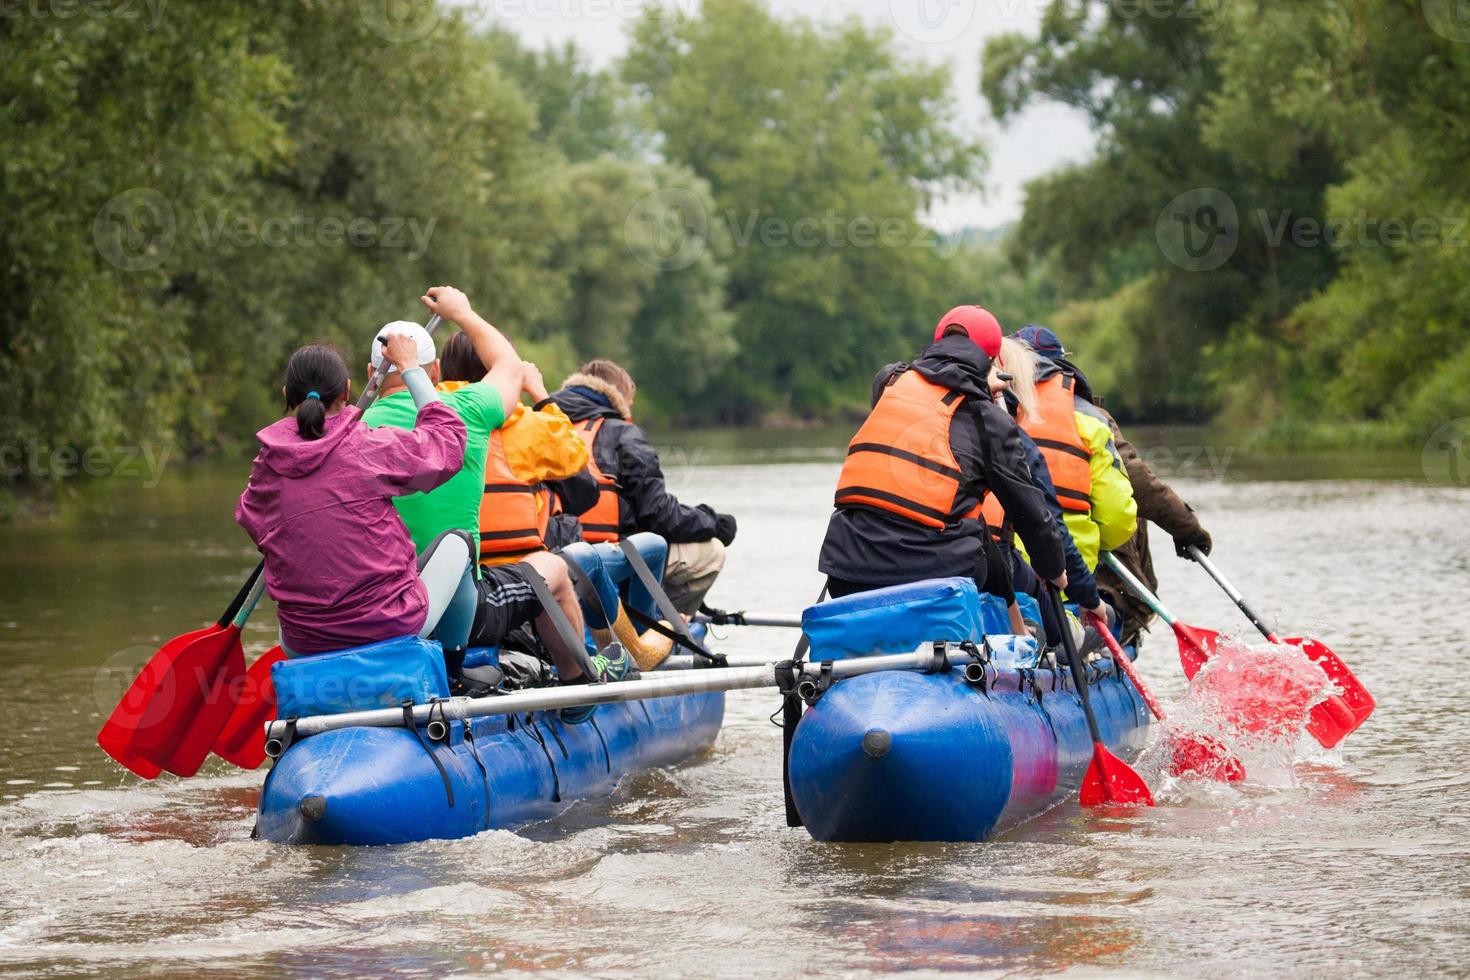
[{"x": 504, "y": 601}]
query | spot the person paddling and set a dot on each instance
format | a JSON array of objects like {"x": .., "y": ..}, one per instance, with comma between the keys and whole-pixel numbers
[
  {"x": 1156, "y": 501},
  {"x": 935, "y": 444},
  {"x": 634, "y": 497},
  {"x": 339, "y": 562},
  {"x": 1013, "y": 385},
  {"x": 503, "y": 596}
]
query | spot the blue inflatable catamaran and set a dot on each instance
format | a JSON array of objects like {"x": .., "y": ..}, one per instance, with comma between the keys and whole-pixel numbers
[
  {"x": 451, "y": 778},
  {"x": 922, "y": 721},
  {"x": 972, "y": 748}
]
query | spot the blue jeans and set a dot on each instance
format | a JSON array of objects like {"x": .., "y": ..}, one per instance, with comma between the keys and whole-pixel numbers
[{"x": 608, "y": 569}]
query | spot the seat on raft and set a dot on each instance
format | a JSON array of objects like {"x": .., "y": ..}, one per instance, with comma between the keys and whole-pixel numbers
[
  {"x": 378, "y": 675},
  {"x": 901, "y": 618}
]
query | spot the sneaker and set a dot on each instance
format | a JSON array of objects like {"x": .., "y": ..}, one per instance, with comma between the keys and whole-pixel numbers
[{"x": 612, "y": 664}]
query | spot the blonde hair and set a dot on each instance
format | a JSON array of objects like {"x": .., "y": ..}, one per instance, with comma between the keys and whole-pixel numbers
[{"x": 1019, "y": 361}]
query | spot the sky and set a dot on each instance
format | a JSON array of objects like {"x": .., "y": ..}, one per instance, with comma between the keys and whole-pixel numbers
[{"x": 952, "y": 31}]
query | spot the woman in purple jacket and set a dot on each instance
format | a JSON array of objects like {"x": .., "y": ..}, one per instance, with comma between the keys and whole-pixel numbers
[{"x": 338, "y": 561}]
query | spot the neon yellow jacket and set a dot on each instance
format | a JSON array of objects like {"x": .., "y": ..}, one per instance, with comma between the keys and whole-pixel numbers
[{"x": 1114, "y": 514}]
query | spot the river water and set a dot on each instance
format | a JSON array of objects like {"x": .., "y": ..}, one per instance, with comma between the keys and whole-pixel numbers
[{"x": 1355, "y": 860}]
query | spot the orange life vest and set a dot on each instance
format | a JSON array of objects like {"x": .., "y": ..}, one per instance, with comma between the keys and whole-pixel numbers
[
  {"x": 995, "y": 518},
  {"x": 513, "y": 514},
  {"x": 1068, "y": 459},
  {"x": 901, "y": 462},
  {"x": 603, "y": 522}
]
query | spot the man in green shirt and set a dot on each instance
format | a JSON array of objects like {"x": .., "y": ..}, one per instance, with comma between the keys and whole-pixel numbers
[{"x": 504, "y": 598}]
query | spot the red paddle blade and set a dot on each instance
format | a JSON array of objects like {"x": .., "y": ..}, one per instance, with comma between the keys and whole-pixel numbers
[
  {"x": 1110, "y": 780},
  {"x": 242, "y": 742},
  {"x": 1196, "y": 647},
  {"x": 141, "y": 706},
  {"x": 1340, "y": 715},
  {"x": 1202, "y": 755},
  {"x": 189, "y": 699}
]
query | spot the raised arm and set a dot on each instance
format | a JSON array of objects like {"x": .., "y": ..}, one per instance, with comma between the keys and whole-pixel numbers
[{"x": 502, "y": 363}]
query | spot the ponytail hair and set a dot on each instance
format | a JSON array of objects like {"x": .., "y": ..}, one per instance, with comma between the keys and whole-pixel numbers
[
  {"x": 1019, "y": 361},
  {"x": 316, "y": 376}
]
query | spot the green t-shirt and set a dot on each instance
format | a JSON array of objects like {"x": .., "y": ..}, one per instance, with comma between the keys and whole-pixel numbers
[{"x": 454, "y": 505}]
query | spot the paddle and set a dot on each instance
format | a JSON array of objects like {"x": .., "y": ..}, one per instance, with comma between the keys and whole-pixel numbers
[
  {"x": 1329, "y": 722},
  {"x": 659, "y": 684},
  {"x": 179, "y": 700},
  {"x": 240, "y": 742},
  {"x": 1109, "y": 779},
  {"x": 719, "y": 617},
  {"x": 1341, "y": 714},
  {"x": 1190, "y": 753}
]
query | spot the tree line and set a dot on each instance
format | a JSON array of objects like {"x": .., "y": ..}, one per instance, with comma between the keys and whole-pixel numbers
[{"x": 736, "y": 208}]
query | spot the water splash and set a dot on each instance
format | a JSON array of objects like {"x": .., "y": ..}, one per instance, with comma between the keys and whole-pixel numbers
[{"x": 1252, "y": 702}]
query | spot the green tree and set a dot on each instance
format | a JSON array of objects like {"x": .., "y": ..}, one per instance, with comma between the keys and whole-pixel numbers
[{"x": 820, "y": 145}]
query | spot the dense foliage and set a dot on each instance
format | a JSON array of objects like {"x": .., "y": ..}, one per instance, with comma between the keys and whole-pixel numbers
[
  {"x": 192, "y": 190},
  {"x": 1319, "y": 148}
]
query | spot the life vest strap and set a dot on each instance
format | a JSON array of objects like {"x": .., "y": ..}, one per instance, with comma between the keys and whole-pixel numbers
[
  {"x": 904, "y": 454},
  {"x": 1062, "y": 447},
  {"x": 847, "y": 493}
]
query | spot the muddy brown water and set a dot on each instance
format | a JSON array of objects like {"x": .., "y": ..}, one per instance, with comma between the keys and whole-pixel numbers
[{"x": 1355, "y": 860}]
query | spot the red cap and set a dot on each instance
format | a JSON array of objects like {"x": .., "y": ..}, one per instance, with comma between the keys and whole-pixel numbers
[{"x": 979, "y": 323}]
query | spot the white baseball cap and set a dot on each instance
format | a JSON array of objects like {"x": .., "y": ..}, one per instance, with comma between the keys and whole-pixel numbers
[{"x": 416, "y": 331}]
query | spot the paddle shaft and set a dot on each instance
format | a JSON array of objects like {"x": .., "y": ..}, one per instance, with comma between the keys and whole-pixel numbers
[
  {"x": 1233, "y": 593},
  {"x": 676, "y": 684},
  {"x": 782, "y": 620},
  {"x": 1126, "y": 666},
  {"x": 1074, "y": 662},
  {"x": 371, "y": 391},
  {"x": 1139, "y": 589}
]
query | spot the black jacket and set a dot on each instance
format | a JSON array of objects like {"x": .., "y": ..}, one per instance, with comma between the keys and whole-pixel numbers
[
  {"x": 624, "y": 453},
  {"x": 873, "y": 547}
]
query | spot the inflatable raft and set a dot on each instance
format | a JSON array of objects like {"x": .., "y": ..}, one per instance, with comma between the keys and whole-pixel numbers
[
  {"x": 958, "y": 755},
  {"x": 396, "y": 785}
]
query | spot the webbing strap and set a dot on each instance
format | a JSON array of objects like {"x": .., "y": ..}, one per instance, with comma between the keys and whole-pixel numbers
[
  {"x": 469, "y": 737},
  {"x": 787, "y": 674},
  {"x": 646, "y": 622},
  {"x": 662, "y": 600},
  {"x": 587, "y": 592},
  {"x": 559, "y": 619},
  {"x": 408, "y": 723}
]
